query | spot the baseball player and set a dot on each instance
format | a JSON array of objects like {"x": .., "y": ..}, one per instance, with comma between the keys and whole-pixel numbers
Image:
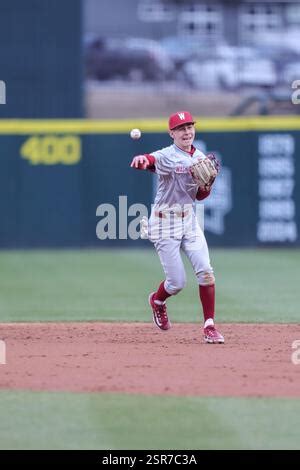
[{"x": 173, "y": 224}]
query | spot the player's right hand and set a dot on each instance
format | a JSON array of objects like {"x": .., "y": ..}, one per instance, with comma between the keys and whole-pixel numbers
[{"x": 140, "y": 161}]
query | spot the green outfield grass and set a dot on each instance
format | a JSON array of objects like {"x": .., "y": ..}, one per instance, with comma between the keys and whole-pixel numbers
[
  {"x": 43, "y": 420},
  {"x": 252, "y": 286},
  {"x": 113, "y": 285}
]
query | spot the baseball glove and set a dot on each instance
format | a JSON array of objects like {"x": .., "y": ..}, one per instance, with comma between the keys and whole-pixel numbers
[{"x": 204, "y": 171}]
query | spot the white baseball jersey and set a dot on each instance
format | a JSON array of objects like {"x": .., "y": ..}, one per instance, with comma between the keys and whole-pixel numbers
[
  {"x": 175, "y": 184},
  {"x": 173, "y": 215}
]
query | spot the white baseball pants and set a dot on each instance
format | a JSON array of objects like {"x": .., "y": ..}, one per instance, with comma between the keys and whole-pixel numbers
[{"x": 196, "y": 250}]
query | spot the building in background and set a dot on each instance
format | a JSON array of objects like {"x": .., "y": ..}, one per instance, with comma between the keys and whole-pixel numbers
[
  {"x": 235, "y": 22},
  {"x": 240, "y": 47}
]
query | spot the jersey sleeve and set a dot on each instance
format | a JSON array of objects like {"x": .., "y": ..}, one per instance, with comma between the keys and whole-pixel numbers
[
  {"x": 164, "y": 164},
  {"x": 151, "y": 162}
]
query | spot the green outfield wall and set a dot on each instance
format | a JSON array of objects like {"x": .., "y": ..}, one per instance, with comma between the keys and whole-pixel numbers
[{"x": 56, "y": 173}]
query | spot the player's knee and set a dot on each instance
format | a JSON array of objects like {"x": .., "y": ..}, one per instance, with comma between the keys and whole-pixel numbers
[
  {"x": 180, "y": 284},
  {"x": 175, "y": 285},
  {"x": 206, "y": 278}
]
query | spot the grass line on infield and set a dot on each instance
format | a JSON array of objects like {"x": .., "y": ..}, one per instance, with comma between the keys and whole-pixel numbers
[
  {"x": 113, "y": 285},
  {"x": 45, "y": 420}
]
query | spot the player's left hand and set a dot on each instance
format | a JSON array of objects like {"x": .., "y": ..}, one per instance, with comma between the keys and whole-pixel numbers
[{"x": 204, "y": 171}]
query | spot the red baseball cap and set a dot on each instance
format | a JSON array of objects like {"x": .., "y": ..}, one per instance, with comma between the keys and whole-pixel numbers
[{"x": 182, "y": 117}]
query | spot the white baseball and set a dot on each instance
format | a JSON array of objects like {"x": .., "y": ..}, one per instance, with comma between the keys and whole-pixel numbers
[{"x": 135, "y": 133}]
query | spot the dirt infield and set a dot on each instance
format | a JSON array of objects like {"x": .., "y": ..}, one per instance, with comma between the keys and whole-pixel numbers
[{"x": 138, "y": 358}]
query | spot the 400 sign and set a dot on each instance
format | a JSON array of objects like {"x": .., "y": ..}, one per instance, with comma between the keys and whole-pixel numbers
[{"x": 52, "y": 150}]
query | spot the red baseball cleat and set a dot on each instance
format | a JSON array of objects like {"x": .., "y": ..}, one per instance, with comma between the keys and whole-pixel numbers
[
  {"x": 160, "y": 316},
  {"x": 212, "y": 336}
]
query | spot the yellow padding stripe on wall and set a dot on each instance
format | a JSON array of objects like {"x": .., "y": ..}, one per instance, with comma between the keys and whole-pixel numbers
[{"x": 88, "y": 126}]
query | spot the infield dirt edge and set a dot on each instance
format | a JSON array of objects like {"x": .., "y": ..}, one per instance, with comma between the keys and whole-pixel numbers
[{"x": 137, "y": 358}]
